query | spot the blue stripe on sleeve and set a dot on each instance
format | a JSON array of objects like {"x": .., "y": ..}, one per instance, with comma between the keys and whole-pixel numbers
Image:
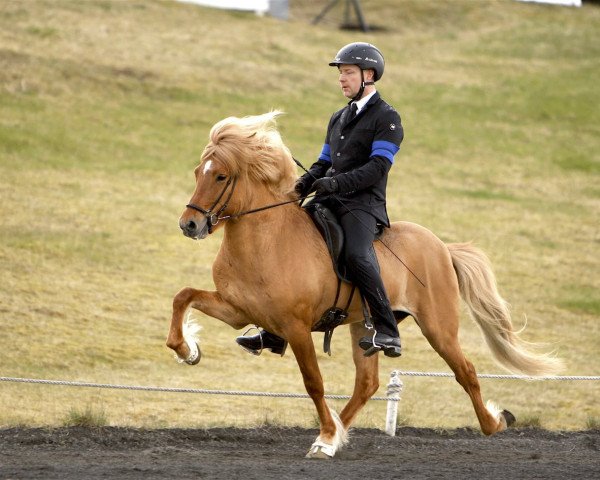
[
  {"x": 384, "y": 149},
  {"x": 325, "y": 153}
]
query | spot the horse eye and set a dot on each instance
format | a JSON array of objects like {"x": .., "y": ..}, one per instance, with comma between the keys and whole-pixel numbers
[{"x": 221, "y": 177}]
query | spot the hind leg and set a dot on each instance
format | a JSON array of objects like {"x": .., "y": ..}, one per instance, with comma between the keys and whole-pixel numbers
[{"x": 442, "y": 333}]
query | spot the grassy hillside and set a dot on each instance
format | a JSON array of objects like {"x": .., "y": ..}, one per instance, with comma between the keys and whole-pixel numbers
[{"x": 105, "y": 107}]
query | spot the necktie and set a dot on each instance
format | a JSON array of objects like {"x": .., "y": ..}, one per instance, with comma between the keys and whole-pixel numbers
[{"x": 353, "y": 110}]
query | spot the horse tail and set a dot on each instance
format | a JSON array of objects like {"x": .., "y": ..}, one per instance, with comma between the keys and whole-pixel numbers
[{"x": 490, "y": 311}]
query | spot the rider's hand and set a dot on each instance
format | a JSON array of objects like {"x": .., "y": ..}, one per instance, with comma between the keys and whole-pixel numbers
[
  {"x": 326, "y": 185},
  {"x": 302, "y": 187}
]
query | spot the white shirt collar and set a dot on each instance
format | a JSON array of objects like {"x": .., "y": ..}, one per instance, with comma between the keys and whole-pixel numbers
[{"x": 360, "y": 104}]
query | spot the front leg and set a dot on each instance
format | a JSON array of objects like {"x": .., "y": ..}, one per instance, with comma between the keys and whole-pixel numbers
[
  {"x": 366, "y": 380},
  {"x": 332, "y": 434},
  {"x": 210, "y": 303}
]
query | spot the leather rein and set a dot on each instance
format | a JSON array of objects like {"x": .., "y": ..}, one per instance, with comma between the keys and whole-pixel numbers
[{"x": 213, "y": 218}]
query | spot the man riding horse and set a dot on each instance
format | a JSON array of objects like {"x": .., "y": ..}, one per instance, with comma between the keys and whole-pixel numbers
[
  {"x": 246, "y": 168},
  {"x": 350, "y": 178}
]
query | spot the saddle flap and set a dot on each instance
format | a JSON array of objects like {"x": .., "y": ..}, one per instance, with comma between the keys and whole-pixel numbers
[{"x": 332, "y": 233}]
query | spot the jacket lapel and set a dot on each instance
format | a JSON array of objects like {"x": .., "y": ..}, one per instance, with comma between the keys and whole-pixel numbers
[{"x": 346, "y": 113}]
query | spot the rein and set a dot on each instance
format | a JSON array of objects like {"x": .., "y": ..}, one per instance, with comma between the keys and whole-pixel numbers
[
  {"x": 213, "y": 218},
  {"x": 266, "y": 207}
]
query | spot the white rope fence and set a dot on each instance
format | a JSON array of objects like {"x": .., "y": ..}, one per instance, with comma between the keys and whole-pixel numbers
[
  {"x": 172, "y": 389},
  {"x": 501, "y": 376},
  {"x": 393, "y": 393}
]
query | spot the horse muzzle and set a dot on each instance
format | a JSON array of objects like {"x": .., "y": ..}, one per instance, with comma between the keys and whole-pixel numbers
[{"x": 194, "y": 229}]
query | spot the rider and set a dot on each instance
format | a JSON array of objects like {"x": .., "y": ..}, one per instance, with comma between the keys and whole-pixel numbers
[{"x": 350, "y": 177}]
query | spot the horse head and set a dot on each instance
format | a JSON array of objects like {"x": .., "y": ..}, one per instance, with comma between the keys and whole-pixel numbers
[
  {"x": 245, "y": 156},
  {"x": 214, "y": 188}
]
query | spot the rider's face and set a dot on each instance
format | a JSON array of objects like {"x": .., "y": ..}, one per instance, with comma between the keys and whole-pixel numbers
[{"x": 349, "y": 80}]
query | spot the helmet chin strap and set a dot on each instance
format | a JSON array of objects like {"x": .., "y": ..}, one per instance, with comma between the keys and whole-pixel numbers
[{"x": 361, "y": 90}]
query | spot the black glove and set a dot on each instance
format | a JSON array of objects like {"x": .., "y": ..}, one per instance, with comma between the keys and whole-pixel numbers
[
  {"x": 326, "y": 185},
  {"x": 302, "y": 187}
]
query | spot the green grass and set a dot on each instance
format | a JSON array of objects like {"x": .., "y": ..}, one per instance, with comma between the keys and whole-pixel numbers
[
  {"x": 593, "y": 423},
  {"x": 582, "y": 299},
  {"x": 86, "y": 417},
  {"x": 529, "y": 422},
  {"x": 105, "y": 108}
]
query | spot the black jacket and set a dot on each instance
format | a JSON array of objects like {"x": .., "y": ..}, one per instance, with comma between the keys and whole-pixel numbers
[{"x": 359, "y": 153}]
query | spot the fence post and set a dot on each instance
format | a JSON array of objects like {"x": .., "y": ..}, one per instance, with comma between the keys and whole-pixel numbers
[{"x": 394, "y": 390}]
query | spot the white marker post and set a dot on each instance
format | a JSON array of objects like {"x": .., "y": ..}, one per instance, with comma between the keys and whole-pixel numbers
[{"x": 394, "y": 390}]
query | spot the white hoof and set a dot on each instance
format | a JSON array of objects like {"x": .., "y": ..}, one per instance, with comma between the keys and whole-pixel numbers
[
  {"x": 194, "y": 356},
  {"x": 191, "y": 335},
  {"x": 321, "y": 450}
]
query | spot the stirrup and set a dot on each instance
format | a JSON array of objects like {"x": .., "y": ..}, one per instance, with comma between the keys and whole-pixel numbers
[
  {"x": 249, "y": 350},
  {"x": 374, "y": 348},
  {"x": 276, "y": 350}
]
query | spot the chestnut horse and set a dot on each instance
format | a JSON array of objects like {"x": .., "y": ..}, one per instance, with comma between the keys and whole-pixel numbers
[{"x": 273, "y": 270}]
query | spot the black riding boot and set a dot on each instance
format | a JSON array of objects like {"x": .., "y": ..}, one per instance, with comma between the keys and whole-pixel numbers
[
  {"x": 375, "y": 342},
  {"x": 361, "y": 262},
  {"x": 254, "y": 344}
]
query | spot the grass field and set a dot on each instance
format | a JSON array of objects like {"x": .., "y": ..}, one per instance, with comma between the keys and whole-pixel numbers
[{"x": 105, "y": 107}]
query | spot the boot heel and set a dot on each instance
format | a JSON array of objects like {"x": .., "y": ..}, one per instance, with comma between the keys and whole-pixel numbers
[
  {"x": 372, "y": 350},
  {"x": 392, "y": 351},
  {"x": 280, "y": 350}
]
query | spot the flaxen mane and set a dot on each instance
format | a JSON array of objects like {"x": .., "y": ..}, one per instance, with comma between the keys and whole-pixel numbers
[{"x": 252, "y": 147}]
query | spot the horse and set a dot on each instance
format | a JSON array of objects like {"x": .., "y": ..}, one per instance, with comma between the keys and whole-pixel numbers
[{"x": 273, "y": 270}]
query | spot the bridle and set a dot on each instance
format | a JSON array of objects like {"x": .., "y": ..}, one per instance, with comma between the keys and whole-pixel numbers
[{"x": 213, "y": 218}]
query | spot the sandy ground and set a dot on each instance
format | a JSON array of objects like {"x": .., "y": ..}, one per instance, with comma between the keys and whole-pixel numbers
[{"x": 278, "y": 453}]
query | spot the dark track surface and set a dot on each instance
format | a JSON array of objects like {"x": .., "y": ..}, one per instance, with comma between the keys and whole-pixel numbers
[{"x": 278, "y": 453}]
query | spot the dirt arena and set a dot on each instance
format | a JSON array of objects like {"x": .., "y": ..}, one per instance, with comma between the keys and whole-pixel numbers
[{"x": 278, "y": 453}]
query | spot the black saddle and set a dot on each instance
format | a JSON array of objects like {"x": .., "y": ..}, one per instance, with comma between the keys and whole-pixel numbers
[
  {"x": 333, "y": 234},
  {"x": 331, "y": 230}
]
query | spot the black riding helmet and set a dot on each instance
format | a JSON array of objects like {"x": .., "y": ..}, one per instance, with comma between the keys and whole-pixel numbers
[{"x": 366, "y": 57}]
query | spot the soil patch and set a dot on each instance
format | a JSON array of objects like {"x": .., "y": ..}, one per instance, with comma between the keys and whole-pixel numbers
[{"x": 278, "y": 453}]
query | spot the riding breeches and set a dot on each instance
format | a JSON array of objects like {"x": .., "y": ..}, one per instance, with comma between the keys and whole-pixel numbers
[{"x": 361, "y": 264}]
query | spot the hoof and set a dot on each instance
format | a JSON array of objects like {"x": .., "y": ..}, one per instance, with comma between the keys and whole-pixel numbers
[
  {"x": 191, "y": 336},
  {"x": 321, "y": 451},
  {"x": 195, "y": 355},
  {"x": 509, "y": 418}
]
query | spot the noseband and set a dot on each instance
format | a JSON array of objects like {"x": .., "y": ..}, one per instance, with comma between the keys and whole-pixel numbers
[{"x": 212, "y": 218}]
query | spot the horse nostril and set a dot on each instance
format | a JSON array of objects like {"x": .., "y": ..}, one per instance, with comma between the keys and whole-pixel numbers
[{"x": 191, "y": 226}]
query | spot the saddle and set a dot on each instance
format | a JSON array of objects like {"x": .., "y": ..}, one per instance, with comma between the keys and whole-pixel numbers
[
  {"x": 331, "y": 230},
  {"x": 333, "y": 234}
]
